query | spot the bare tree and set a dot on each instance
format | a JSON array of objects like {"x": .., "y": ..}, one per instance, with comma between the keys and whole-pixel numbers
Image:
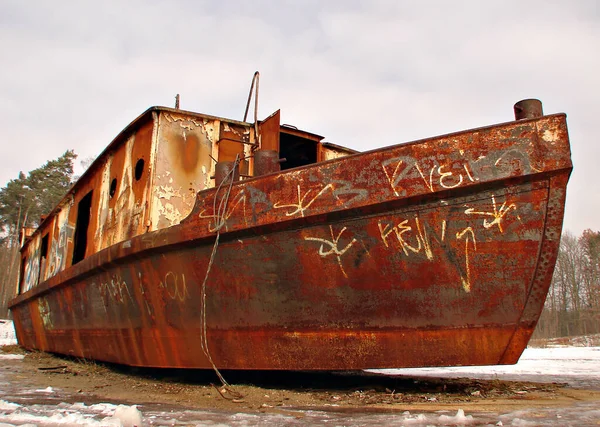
[{"x": 573, "y": 302}]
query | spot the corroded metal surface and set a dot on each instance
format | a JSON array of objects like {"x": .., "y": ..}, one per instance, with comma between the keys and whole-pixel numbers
[
  {"x": 528, "y": 109},
  {"x": 223, "y": 170},
  {"x": 438, "y": 252},
  {"x": 266, "y": 162},
  {"x": 183, "y": 165},
  {"x": 147, "y": 179}
]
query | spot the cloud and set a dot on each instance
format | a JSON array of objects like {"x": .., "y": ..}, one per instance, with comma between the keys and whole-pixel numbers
[{"x": 363, "y": 74}]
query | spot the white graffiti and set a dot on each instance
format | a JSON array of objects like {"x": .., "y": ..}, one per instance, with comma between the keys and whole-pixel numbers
[
  {"x": 466, "y": 277},
  {"x": 333, "y": 245},
  {"x": 58, "y": 250},
  {"x": 415, "y": 240},
  {"x": 32, "y": 271},
  {"x": 141, "y": 286},
  {"x": 436, "y": 177},
  {"x": 337, "y": 188},
  {"x": 116, "y": 289},
  {"x": 497, "y": 214},
  {"x": 239, "y": 201},
  {"x": 303, "y": 205},
  {"x": 175, "y": 285},
  {"x": 44, "y": 310}
]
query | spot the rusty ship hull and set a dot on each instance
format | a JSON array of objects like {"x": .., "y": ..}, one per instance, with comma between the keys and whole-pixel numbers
[{"x": 438, "y": 252}]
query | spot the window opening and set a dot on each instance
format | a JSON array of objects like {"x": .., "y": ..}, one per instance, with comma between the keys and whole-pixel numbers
[
  {"x": 44, "y": 248},
  {"x": 84, "y": 210},
  {"x": 43, "y": 256},
  {"x": 113, "y": 187},
  {"x": 22, "y": 275},
  {"x": 139, "y": 169}
]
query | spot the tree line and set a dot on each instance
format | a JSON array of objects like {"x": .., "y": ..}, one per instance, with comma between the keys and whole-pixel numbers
[
  {"x": 23, "y": 202},
  {"x": 573, "y": 302},
  {"x": 572, "y": 306}
]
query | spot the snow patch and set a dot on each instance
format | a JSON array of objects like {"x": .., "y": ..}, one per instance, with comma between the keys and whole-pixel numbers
[
  {"x": 5, "y": 406},
  {"x": 580, "y": 366},
  {"x": 7, "y": 333},
  {"x": 459, "y": 418},
  {"x": 11, "y": 356},
  {"x": 77, "y": 414},
  {"x": 577, "y": 366},
  {"x": 430, "y": 420}
]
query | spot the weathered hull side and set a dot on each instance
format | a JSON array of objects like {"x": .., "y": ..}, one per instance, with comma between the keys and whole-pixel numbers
[{"x": 436, "y": 253}]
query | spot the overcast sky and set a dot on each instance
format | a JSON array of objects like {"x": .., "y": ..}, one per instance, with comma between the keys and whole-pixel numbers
[{"x": 362, "y": 73}]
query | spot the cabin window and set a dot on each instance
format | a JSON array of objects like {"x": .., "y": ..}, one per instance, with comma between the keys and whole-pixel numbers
[
  {"x": 22, "y": 275},
  {"x": 296, "y": 151},
  {"x": 84, "y": 210},
  {"x": 113, "y": 187},
  {"x": 139, "y": 169},
  {"x": 44, "y": 248},
  {"x": 43, "y": 256}
]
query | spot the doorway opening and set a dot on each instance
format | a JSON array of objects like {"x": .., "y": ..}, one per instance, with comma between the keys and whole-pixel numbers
[{"x": 297, "y": 147}]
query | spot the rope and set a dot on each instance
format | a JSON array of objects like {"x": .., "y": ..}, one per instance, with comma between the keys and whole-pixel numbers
[{"x": 220, "y": 219}]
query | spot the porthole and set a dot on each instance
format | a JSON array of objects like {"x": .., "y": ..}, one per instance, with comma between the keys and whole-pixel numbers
[
  {"x": 139, "y": 169},
  {"x": 113, "y": 187}
]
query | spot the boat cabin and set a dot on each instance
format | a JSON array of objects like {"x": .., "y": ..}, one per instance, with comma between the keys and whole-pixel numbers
[{"x": 147, "y": 179}]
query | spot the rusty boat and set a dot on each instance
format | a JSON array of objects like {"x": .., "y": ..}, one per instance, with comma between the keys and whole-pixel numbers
[{"x": 195, "y": 241}]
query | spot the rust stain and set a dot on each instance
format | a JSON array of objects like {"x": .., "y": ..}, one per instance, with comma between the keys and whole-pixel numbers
[
  {"x": 189, "y": 155},
  {"x": 434, "y": 253}
]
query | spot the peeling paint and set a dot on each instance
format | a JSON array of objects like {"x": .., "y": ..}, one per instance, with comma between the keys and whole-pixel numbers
[
  {"x": 169, "y": 212},
  {"x": 330, "y": 154},
  {"x": 382, "y": 258},
  {"x": 183, "y": 166},
  {"x": 550, "y": 135}
]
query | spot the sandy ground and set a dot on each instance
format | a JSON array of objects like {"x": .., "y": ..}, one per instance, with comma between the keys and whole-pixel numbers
[{"x": 286, "y": 392}]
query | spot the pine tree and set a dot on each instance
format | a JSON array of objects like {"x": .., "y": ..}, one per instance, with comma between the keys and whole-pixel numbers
[
  {"x": 22, "y": 203},
  {"x": 25, "y": 199}
]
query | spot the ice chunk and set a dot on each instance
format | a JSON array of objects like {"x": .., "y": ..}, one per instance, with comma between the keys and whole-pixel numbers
[
  {"x": 459, "y": 418},
  {"x": 130, "y": 416},
  {"x": 4, "y": 405}
]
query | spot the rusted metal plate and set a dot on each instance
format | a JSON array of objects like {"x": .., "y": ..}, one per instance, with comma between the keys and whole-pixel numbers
[
  {"x": 146, "y": 179},
  {"x": 329, "y": 151},
  {"x": 266, "y": 162},
  {"x": 269, "y": 132},
  {"x": 182, "y": 167},
  {"x": 124, "y": 192},
  {"x": 438, "y": 252}
]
